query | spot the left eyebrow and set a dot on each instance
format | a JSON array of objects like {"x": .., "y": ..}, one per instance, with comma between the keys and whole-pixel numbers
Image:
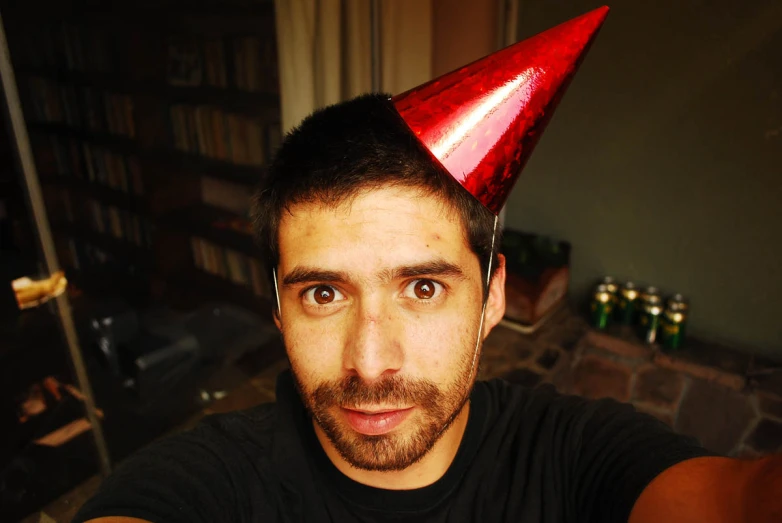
[
  {"x": 431, "y": 268},
  {"x": 311, "y": 275}
]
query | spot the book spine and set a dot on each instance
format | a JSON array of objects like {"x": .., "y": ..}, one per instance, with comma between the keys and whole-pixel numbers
[
  {"x": 260, "y": 287},
  {"x": 255, "y": 142},
  {"x": 136, "y": 178},
  {"x": 199, "y": 115},
  {"x": 198, "y": 256}
]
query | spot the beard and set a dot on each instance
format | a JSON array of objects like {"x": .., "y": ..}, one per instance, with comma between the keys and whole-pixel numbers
[{"x": 435, "y": 411}]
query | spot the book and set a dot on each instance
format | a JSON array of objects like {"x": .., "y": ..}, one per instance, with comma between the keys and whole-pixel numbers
[{"x": 185, "y": 64}]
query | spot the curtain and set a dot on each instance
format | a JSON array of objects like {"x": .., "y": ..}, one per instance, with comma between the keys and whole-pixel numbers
[
  {"x": 406, "y": 44},
  {"x": 324, "y": 51}
]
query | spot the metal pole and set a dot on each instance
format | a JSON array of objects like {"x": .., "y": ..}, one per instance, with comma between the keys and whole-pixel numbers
[
  {"x": 374, "y": 34},
  {"x": 35, "y": 203}
]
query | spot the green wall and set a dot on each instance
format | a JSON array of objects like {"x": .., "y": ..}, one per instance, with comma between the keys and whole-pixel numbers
[{"x": 663, "y": 163}]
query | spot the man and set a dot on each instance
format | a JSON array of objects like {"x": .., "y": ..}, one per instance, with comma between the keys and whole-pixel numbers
[{"x": 387, "y": 281}]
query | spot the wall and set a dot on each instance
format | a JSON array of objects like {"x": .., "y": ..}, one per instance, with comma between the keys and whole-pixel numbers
[
  {"x": 462, "y": 31},
  {"x": 663, "y": 163}
]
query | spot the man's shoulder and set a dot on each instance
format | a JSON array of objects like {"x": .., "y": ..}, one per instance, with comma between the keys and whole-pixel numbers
[
  {"x": 523, "y": 403},
  {"x": 505, "y": 394},
  {"x": 200, "y": 474},
  {"x": 256, "y": 424}
]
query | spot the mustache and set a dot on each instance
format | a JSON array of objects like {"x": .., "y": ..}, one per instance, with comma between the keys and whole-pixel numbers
[{"x": 353, "y": 392}]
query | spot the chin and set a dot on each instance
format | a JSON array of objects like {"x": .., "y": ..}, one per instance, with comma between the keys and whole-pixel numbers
[
  {"x": 386, "y": 452},
  {"x": 394, "y": 451}
]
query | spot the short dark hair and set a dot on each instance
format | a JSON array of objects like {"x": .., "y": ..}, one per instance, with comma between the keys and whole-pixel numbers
[{"x": 349, "y": 147}]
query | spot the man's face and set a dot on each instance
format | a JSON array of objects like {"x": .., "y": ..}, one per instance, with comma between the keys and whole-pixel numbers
[{"x": 381, "y": 301}]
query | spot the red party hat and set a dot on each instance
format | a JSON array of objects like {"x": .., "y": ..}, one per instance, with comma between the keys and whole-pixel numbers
[{"x": 482, "y": 121}]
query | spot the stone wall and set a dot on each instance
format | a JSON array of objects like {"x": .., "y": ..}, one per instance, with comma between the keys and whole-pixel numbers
[{"x": 730, "y": 401}]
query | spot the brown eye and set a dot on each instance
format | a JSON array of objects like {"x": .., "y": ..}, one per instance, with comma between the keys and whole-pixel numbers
[
  {"x": 424, "y": 289},
  {"x": 323, "y": 295}
]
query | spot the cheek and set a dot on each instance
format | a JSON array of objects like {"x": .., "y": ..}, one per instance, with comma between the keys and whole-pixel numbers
[
  {"x": 438, "y": 346},
  {"x": 314, "y": 351}
]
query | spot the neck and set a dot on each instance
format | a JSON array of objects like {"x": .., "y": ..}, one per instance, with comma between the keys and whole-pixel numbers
[{"x": 420, "y": 474}]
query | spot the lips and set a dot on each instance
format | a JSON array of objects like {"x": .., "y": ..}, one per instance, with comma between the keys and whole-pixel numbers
[{"x": 375, "y": 423}]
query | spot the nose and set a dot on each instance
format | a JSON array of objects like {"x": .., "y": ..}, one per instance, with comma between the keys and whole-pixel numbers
[{"x": 373, "y": 348}]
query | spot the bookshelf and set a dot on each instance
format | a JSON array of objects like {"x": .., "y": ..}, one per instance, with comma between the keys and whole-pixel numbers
[
  {"x": 150, "y": 124},
  {"x": 213, "y": 287},
  {"x": 200, "y": 166},
  {"x": 215, "y": 225},
  {"x": 130, "y": 109}
]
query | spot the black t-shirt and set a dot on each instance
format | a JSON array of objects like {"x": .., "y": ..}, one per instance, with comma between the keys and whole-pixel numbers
[{"x": 527, "y": 455}]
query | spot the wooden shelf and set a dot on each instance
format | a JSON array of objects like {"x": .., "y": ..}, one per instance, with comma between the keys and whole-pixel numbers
[
  {"x": 195, "y": 284},
  {"x": 155, "y": 14},
  {"x": 128, "y": 201},
  {"x": 195, "y": 164},
  {"x": 261, "y": 104},
  {"x": 101, "y": 282},
  {"x": 110, "y": 81},
  {"x": 225, "y": 7},
  {"x": 130, "y": 251},
  {"x": 141, "y": 9},
  {"x": 117, "y": 143},
  {"x": 248, "y": 175},
  {"x": 199, "y": 220}
]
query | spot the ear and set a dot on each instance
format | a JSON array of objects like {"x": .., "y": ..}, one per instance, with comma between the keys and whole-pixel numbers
[
  {"x": 276, "y": 304},
  {"x": 276, "y": 318},
  {"x": 495, "y": 303}
]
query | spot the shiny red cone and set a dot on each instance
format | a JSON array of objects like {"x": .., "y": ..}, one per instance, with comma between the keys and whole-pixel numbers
[{"x": 483, "y": 121}]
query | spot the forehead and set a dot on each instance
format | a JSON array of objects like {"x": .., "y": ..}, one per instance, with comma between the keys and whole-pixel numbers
[{"x": 378, "y": 229}]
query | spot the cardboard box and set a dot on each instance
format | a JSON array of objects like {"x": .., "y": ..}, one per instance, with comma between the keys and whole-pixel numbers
[{"x": 538, "y": 276}]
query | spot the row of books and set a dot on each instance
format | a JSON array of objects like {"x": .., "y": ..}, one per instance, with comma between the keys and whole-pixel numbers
[
  {"x": 255, "y": 64},
  {"x": 229, "y": 264},
  {"x": 59, "y": 204},
  {"x": 102, "y": 218},
  {"x": 80, "y": 107},
  {"x": 248, "y": 63},
  {"x": 83, "y": 255},
  {"x": 72, "y": 158},
  {"x": 63, "y": 46},
  {"x": 120, "y": 223},
  {"x": 210, "y": 131}
]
